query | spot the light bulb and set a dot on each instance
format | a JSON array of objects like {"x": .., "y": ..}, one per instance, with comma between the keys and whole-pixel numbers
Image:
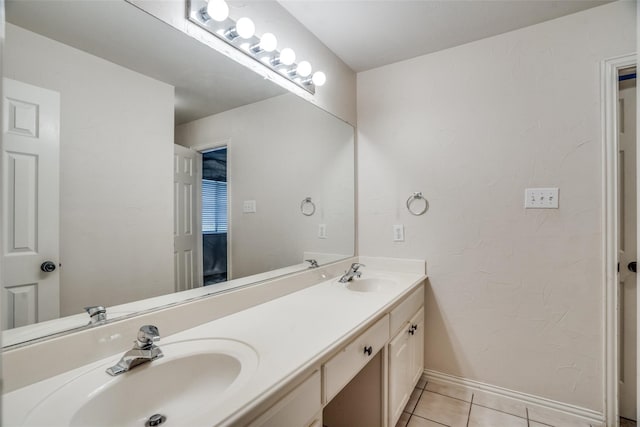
[
  {"x": 304, "y": 69},
  {"x": 319, "y": 78},
  {"x": 245, "y": 28},
  {"x": 218, "y": 10},
  {"x": 268, "y": 42},
  {"x": 287, "y": 56}
]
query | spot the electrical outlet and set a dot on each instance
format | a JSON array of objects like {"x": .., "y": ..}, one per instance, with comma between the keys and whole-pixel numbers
[
  {"x": 398, "y": 233},
  {"x": 249, "y": 206},
  {"x": 322, "y": 231},
  {"x": 541, "y": 198}
]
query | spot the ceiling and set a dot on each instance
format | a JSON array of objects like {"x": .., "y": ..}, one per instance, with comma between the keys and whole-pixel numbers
[
  {"x": 206, "y": 82},
  {"x": 367, "y": 34}
]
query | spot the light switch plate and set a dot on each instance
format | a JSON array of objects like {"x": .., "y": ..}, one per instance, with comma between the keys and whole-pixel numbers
[
  {"x": 249, "y": 206},
  {"x": 541, "y": 198},
  {"x": 322, "y": 231},
  {"x": 398, "y": 233}
]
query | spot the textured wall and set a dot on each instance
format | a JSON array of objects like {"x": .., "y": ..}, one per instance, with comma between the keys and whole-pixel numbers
[
  {"x": 280, "y": 151},
  {"x": 515, "y": 296},
  {"x": 116, "y": 172}
]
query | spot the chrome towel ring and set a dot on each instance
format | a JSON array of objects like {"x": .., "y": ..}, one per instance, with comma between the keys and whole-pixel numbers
[
  {"x": 413, "y": 198},
  {"x": 307, "y": 207}
]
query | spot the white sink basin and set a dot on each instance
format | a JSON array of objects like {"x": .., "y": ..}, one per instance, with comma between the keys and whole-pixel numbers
[
  {"x": 372, "y": 284},
  {"x": 191, "y": 378}
]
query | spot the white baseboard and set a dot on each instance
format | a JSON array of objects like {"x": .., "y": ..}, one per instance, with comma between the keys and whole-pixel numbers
[{"x": 528, "y": 399}]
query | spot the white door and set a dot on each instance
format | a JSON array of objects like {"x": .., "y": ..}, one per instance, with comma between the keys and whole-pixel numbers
[
  {"x": 30, "y": 204},
  {"x": 627, "y": 247},
  {"x": 186, "y": 218}
]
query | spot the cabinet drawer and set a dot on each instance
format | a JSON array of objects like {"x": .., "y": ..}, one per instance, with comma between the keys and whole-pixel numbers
[
  {"x": 347, "y": 363},
  {"x": 407, "y": 308},
  {"x": 297, "y": 409}
]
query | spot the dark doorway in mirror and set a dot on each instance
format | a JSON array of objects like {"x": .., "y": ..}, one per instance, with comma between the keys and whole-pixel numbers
[{"x": 214, "y": 216}]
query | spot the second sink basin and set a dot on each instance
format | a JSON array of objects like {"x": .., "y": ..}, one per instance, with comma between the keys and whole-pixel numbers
[
  {"x": 192, "y": 377},
  {"x": 372, "y": 284}
]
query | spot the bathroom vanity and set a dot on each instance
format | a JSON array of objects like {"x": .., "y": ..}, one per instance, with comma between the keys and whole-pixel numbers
[
  {"x": 282, "y": 342},
  {"x": 297, "y": 360}
]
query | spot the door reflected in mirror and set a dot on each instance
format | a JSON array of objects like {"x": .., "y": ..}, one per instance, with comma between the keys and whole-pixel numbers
[{"x": 139, "y": 162}]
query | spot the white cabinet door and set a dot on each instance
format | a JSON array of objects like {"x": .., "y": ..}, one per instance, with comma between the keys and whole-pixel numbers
[
  {"x": 406, "y": 364},
  {"x": 416, "y": 344},
  {"x": 399, "y": 374}
]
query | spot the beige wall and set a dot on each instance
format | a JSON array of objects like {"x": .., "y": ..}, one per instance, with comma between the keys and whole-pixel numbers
[
  {"x": 338, "y": 96},
  {"x": 282, "y": 150},
  {"x": 116, "y": 176},
  {"x": 515, "y": 296}
]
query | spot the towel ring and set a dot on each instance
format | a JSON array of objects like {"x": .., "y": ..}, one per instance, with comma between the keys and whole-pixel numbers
[
  {"x": 417, "y": 196},
  {"x": 307, "y": 207}
]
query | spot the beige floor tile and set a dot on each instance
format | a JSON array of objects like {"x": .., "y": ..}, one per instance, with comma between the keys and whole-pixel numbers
[
  {"x": 421, "y": 422},
  {"x": 500, "y": 403},
  {"x": 485, "y": 417},
  {"x": 404, "y": 419},
  {"x": 450, "y": 390},
  {"x": 442, "y": 409},
  {"x": 413, "y": 400},
  {"x": 627, "y": 423},
  {"x": 555, "y": 418},
  {"x": 535, "y": 424},
  {"x": 422, "y": 382}
]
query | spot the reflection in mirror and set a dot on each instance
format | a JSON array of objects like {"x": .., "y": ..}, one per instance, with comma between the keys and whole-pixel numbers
[{"x": 139, "y": 162}]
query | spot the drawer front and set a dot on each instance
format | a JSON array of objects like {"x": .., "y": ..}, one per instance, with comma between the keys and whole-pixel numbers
[
  {"x": 347, "y": 363},
  {"x": 297, "y": 409},
  {"x": 407, "y": 308}
]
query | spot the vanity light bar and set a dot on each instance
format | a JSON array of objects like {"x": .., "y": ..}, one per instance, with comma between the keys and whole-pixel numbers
[{"x": 213, "y": 16}]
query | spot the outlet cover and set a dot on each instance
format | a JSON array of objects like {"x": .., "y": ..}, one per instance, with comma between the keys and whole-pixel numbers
[
  {"x": 541, "y": 198},
  {"x": 322, "y": 231},
  {"x": 249, "y": 206},
  {"x": 398, "y": 233}
]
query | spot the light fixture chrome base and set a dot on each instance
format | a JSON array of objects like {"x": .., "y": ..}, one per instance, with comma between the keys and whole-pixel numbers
[{"x": 197, "y": 14}]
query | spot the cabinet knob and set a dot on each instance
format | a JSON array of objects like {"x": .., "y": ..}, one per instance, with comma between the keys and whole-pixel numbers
[
  {"x": 414, "y": 327},
  {"x": 368, "y": 350},
  {"x": 411, "y": 331}
]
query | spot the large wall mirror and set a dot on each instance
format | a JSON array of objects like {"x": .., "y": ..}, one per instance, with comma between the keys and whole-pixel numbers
[{"x": 139, "y": 162}]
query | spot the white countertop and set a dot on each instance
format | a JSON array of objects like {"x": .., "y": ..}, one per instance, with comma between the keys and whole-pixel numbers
[{"x": 289, "y": 334}]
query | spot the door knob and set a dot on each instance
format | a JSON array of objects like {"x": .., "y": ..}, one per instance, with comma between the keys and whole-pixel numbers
[
  {"x": 632, "y": 266},
  {"x": 48, "y": 266}
]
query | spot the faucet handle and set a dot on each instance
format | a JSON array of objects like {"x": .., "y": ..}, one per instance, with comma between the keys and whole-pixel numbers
[
  {"x": 356, "y": 265},
  {"x": 147, "y": 335},
  {"x": 95, "y": 309},
  {"x": 97, "y": 313},
  {"x": 313, "y": 263}
]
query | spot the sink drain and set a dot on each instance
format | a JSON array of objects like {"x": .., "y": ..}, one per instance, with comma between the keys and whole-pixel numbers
[{"x": 155, "y": 420}]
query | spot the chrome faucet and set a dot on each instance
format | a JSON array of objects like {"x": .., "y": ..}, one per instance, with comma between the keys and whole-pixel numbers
[
  {"x": 97, "y": 314},
  {"x": 144, "y": 350},
  {"x": 351, "y": 273},
  {"x": 312, "y": 263}
]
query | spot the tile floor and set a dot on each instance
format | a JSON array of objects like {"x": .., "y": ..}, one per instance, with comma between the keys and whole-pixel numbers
[
  {"x": 627, "y": 423},
  {"x": 436, "y": 405}
]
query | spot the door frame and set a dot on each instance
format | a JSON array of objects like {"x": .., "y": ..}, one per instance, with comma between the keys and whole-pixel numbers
[
  {"x": 609, "y": 101},
  {"x": 200, "y": 149}
]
